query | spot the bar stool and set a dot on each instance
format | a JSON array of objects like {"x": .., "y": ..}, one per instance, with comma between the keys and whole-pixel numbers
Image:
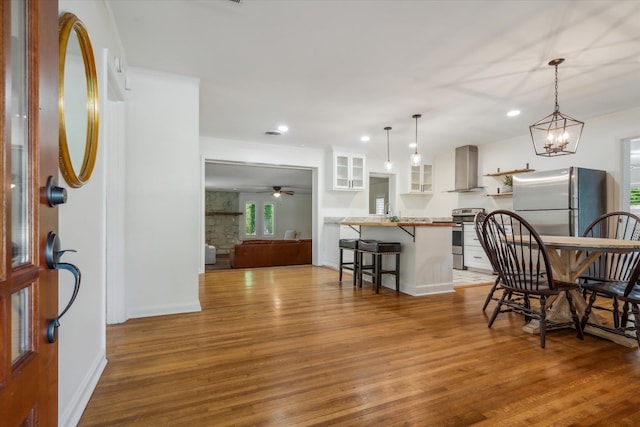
[
  {"x": 377, "y": 249},
  {"x": 352, "y": 245}
]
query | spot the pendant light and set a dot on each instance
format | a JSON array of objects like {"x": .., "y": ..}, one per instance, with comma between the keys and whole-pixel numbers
[
  {"x": 557, "y": 134},
  {"x": 416, "y": 158},
  {"x": 388, "y": 165}
]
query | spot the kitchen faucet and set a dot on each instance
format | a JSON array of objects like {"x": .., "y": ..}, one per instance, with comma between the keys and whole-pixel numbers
[{"x": 389, "y": 210}]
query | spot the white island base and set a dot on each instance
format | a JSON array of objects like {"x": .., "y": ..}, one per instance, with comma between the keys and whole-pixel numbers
[{"x": 426, "y": 264}]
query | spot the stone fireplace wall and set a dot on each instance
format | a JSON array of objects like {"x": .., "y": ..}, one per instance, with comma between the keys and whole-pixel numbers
[{"x": 220, "y": 221}]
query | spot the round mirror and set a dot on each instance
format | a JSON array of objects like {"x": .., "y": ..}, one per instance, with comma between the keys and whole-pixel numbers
[{"x": 77, "y": 101}]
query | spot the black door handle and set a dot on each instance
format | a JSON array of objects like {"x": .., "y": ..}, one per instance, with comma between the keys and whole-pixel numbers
[
  {"x": 55, "y": 195},
  {"x": 52, "y": 256}
]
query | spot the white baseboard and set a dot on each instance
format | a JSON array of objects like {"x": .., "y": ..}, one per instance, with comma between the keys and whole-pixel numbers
[
  {"x": 427, "y": 289},
  {"x": 164, "y": 310},
  {"x": 70, "y": 416}
]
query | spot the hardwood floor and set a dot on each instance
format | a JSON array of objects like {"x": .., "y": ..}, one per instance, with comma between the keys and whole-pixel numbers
[{"x": 290, "y": 346}]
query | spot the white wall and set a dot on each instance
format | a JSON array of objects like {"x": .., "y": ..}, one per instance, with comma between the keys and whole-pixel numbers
[
  {"x": 82, "y": 342},
  {"x": 162, "y": 199}
]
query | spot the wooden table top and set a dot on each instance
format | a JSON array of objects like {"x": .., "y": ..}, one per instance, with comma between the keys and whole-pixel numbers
[{"x": 590, "y": 243}]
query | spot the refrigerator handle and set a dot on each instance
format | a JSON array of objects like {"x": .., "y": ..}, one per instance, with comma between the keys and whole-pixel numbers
[{"x": 573, "y": 190}]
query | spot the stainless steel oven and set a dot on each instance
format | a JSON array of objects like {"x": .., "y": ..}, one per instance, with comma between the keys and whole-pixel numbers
[
  {"x": 457, "y": 249},
  {"x": 460, "y": 216}
]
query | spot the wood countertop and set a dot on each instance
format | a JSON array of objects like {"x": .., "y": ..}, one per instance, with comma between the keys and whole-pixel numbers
[{"x": 398, "y": 224}]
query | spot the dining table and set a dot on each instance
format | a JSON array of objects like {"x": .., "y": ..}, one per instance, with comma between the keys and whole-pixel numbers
[{"x": 570, "y": 257}]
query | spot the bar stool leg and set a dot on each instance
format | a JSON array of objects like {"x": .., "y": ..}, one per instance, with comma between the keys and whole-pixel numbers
[
  {"x": 360, "y": 264},
  {"x": 397, "y": 272},
  {"x": 356, "y": 267},
  {"x": 378, "y": 271},
  {"x": 340, "y": 265}
]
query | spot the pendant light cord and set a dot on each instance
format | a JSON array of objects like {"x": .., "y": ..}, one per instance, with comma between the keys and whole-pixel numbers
[
  {"x": 416, "y": 151},
  {"x": 557, "y": 106},
  {"x": 388, "y": 128}
]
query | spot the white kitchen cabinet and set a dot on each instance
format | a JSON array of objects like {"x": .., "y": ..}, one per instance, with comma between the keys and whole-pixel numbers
[
  {"x": 348, "y": 171},
  {"x": 475, "y": 257},
  {"x": 421, "y": 179}
]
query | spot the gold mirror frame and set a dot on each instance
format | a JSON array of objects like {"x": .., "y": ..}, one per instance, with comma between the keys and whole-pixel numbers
[{"x": 68, "y": 23}]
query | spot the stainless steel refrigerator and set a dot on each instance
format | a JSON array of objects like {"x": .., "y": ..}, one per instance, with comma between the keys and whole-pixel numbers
[{"x": 560, "y": 202}]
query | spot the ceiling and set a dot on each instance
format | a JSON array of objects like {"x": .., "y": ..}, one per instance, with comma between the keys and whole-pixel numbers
[{"x": 336, "y": 70}]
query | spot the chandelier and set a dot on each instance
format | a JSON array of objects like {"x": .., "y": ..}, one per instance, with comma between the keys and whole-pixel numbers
[{"x": 557, "y": 134}]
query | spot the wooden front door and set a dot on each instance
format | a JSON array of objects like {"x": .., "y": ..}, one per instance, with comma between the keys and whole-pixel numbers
[{"x": 28, "y": 156}]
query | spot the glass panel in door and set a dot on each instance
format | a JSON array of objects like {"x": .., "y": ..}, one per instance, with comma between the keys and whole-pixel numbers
[
  {"x": 342, "y": 171},
  {"x": 415, "y": 178},
  {"x": 426, "y": 178},
  {"x": 357, "y": 172},
  {"x": 20, "y": 236}
]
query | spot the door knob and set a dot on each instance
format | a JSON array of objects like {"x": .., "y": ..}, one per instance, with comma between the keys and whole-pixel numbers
[
  {"x": 55, "y": 195},
  {"x": 52, "y": 257}
]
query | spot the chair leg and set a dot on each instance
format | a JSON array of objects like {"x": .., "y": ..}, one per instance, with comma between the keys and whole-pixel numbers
[
  {"x": 636, "y": 320},
  {"x": 497, "y": 309},
  {"x": 543, "y": 320},
  {"x": 527, "y": 305},
  {"x": 574, "y": 315},
  {"x": 587, "y": 311},
  {"x": 340, "y": 265},
  {"x": 616, "y": 312},
  {"x": 490, "y": 296},
  {"x": 625, "y": 314}
]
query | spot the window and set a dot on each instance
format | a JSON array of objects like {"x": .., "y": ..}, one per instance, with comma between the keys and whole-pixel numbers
[
  {"x": 255, "y": 220},
  {"x": 380, "y": 205},
  {"x": 268, "y": 219},
  {"x": 633, "y": 199},
  {"x": 250, "y": 219}
]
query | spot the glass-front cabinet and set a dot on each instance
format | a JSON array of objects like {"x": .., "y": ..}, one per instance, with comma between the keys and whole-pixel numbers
[
  {"x": 421, "y": 179},
  {"x": 348, "y": 171}
]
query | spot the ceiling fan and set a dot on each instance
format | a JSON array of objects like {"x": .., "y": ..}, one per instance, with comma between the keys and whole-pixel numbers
[{"x": 278, "y": 191}]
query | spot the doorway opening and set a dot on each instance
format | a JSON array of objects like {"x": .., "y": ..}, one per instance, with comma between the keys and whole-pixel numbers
[{"x": 381, "y": 194}]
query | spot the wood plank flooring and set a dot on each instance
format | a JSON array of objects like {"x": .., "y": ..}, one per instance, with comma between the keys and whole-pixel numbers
[{"x": 290, "y": 346}]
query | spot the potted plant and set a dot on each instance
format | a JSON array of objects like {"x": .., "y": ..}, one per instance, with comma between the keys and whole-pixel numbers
[{"x": 508, "y": 184}]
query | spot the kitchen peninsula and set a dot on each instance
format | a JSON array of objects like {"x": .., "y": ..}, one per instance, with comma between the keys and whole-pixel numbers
[{"x": 426, "y": 263}]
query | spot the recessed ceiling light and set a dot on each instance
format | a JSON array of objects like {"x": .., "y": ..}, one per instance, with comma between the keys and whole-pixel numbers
[
  {"x": 365, "y": 138},
  {"x": 283, "y": 128},
  {"x": 513, "y": 113}
]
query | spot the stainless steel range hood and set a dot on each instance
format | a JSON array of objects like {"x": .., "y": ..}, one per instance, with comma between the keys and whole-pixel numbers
[{"x": 466, "y": 169}]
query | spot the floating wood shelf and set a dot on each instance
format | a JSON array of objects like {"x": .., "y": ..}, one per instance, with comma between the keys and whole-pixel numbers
[
  {"x": 214, "y": 213},
  {"x": 509, "y": 193},
  {"x": 511, "y": 172}
]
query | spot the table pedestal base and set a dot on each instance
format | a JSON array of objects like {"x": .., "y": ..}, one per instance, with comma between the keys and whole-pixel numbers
[{"x": 559, "y": 311}]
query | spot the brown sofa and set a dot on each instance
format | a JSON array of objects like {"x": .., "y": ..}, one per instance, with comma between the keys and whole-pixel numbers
[{"x": 269, "y": 253}]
